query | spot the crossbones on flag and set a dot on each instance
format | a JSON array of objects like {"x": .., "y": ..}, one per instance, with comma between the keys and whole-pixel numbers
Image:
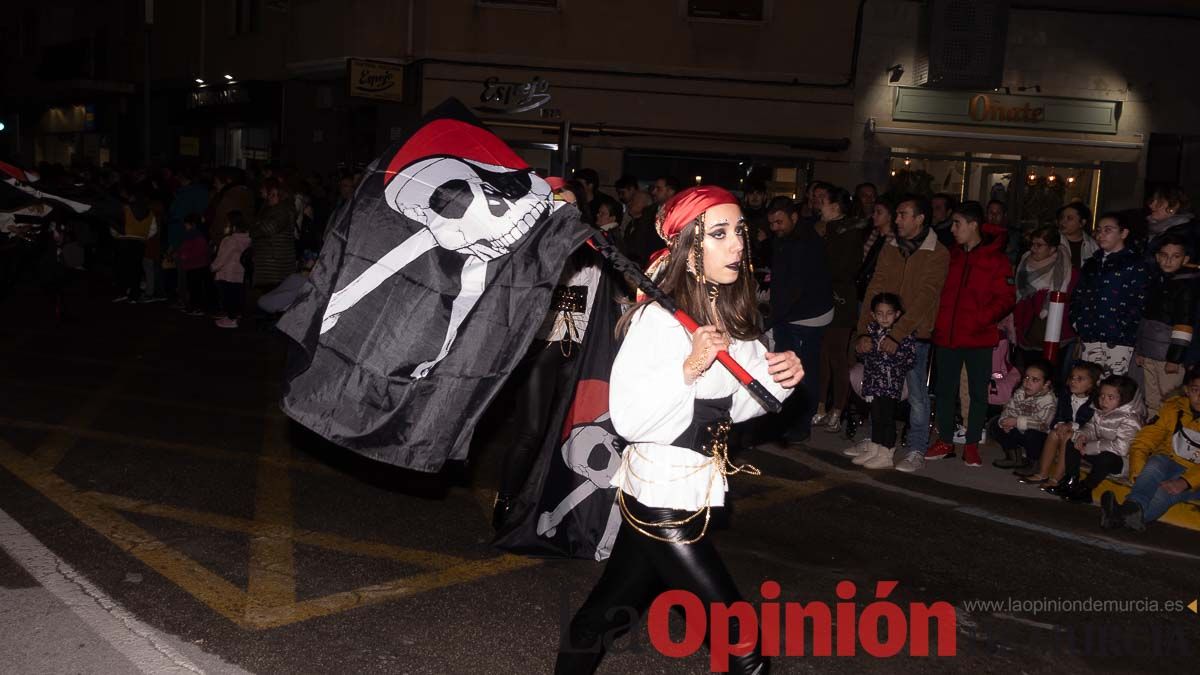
[
  {"x": 427, "y": 292},
  {"x": 567, "y": 507}
]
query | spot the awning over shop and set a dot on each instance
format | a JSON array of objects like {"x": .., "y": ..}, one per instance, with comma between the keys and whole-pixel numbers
[{"x": 1027, "y": 143}]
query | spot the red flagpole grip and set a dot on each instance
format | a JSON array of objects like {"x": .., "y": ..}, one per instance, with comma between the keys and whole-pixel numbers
[{"x": 622, "y": 264}]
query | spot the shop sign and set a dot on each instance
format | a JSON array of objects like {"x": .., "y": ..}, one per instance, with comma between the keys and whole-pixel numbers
[
  {"x": 511, "y": 98},
  {"x": 993, "y": 109},
  {"x": 213, "y": 96},
  {"x": 375, "y": 79}
]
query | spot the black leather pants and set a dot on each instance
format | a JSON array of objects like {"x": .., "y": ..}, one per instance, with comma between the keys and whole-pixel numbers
[{"x": 637, "y": 571}]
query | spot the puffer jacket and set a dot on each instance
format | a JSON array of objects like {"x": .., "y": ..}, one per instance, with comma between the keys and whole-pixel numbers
[
  {"x": 1112, "y": 431},
  {"x": 979, "y": 292},
  {"x": 1033, "y": 413},
  {"x": 1166, "y": 329},
  {"x": 883, "y": 373},
  {"x": 1177, "y": 424},
  {"x": 1107, "y": 303}
]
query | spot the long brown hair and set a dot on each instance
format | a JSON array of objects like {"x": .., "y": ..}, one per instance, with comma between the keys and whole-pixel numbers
[{"x": 736, "y": 303}]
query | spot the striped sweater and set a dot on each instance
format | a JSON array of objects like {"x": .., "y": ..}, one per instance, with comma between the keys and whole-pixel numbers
[{"x": 1033, "y": 413}]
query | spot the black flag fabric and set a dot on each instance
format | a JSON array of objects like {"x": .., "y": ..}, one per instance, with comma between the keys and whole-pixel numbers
[
  {"x": 427, "y": 292},
  {"x": 567, "y": 507}
]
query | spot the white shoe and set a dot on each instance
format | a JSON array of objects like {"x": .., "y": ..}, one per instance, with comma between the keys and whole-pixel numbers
[
  {"x": 960, "y": 435},
  {"x": 882, "y": 459},
  {"x": 872, "y": 449},
  {"x": 912, "y": 462},
  {"x": 858, "y": 448}
]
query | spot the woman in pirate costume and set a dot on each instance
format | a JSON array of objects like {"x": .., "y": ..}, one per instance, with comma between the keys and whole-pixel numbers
[{"x": 675, "y": 411}]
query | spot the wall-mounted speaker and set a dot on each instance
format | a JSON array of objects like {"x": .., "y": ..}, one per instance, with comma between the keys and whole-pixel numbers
[{"x": 961, "y": 44}]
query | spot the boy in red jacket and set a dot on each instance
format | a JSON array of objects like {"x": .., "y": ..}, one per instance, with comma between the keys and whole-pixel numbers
[{"x": 978, "y": 293}]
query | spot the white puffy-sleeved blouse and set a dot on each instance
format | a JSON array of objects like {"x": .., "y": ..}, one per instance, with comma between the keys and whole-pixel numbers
[{"x": 651, "y": 405}]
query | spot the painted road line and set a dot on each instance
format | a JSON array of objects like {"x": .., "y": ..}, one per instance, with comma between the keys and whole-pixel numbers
[
  {"x": 97, "y": 512},
  {"x": 414, "y": 557},
  {"x": 1123, "y": 547},
  {"x": 145, "y": 648},
  {"x": 202, "y": 451},
  {"x": 229, "y": 411},
  {"x": 220, "y": 595},
  {"x": 272, "y": 571}
]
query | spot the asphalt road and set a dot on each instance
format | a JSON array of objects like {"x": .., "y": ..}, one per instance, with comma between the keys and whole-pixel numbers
[{"x": 144, "y": 450}]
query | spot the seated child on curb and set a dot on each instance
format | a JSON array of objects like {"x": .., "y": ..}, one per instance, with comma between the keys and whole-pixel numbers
[
  {"x": 1105, "y": 439},
  {"x": 883, "y": 382},
  {"x": 1164, "y": 463},
  {"x": 1021, "y": 428},
  {"x": 1075, "y": 406}
]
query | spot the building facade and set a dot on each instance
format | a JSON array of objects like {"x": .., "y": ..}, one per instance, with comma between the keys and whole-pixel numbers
[{"x": 1095, "y": 100}]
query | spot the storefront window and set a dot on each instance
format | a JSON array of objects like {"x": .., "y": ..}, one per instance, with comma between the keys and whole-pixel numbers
[
  {"x": 782, "y": 176},
  {"x": 1033, "y": 189},
  {"x": 926, "y": 176},
  {"x": 1046, "y": 188}
]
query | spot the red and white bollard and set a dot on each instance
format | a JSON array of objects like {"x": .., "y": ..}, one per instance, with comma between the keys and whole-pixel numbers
[{"x": 1056, "y": 306}]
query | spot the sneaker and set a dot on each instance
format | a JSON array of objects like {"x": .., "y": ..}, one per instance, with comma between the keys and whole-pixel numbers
[
  {"x": 960, "y": 435},
  {"x": 227, "y": 323},
  {"x": 1134, "y": 519},
  {"x": 872, "y": 450},
  {"x": 858, "y": 448},
  {"x": 911, "y": 463},
  {"x": 833, "y": 423},
  {"x": 881, "y": 459},
  {"x": 1110, "y": 519},
  {"x": 939, "y": 450},
  {"x": 971, "y": 455}
]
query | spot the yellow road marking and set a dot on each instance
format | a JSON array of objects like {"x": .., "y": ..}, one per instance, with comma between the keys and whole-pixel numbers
[
  {"x": 408, "y": 556},
  {"x": 203, "y": 451},
  {"x": 272, "y": 561},
  {"x": 785, "y": 490},
  {"x": 220, "y": 595},
  {"x": 51, "y": 451},
  {"x": 272, "y": 411}
]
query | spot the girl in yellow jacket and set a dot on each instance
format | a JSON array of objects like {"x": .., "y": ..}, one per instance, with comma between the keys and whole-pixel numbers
[{"x": 1164, "y": 463}]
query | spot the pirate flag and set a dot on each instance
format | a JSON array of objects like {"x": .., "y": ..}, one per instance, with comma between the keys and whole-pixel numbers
[
  {"x": 567, "y": 507},
  {"x": 427, "y": 292}
]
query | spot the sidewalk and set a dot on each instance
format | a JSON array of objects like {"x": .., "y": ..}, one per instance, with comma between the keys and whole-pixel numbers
[{"x": 987, "y": 478}]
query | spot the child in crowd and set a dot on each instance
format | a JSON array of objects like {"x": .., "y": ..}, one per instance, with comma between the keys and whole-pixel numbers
[
  {"x": 1104, "y": 440},
  {"x": 1107, "y": 305},
  {"x": 229, "y": 271},
  {"x": 192, "y": 259},
  {"x": 1166, "y": 330},
  {"x": 1075, "y": 406},
  {"x": 1164, "y": 463},
  {"x": 1021, "y": 429},
  {"x": 883, "y": 382}
]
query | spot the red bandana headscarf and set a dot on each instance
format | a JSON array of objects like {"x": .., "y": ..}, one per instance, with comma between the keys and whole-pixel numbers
[{"x": 681, "y": 211}]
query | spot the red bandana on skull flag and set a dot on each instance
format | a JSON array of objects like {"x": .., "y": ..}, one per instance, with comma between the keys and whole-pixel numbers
[{"x": 428, "y": 291}]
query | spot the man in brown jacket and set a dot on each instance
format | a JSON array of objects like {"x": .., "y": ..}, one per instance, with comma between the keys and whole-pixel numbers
[{"x": 913, "y": 266}]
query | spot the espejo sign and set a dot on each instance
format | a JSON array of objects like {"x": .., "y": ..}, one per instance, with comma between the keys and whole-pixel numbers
[
  {"x": 915, "y": 104},
  {"x": 375, "y": 79}
]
